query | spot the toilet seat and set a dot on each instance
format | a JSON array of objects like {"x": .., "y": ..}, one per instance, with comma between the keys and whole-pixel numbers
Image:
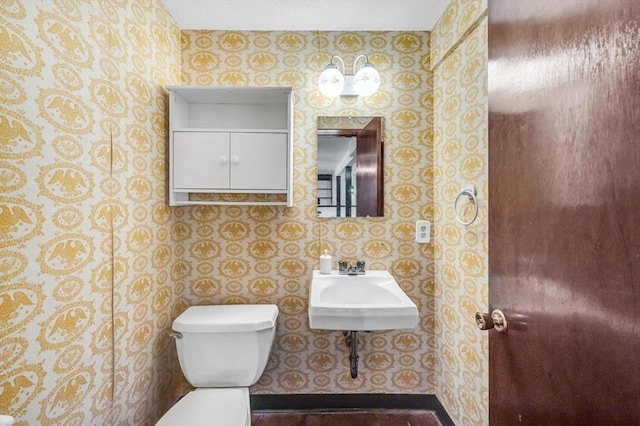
[{"x": 210, "y": 407}]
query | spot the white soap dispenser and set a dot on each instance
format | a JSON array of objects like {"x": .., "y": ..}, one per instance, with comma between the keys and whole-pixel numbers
[{"x": 325, "y": 263}]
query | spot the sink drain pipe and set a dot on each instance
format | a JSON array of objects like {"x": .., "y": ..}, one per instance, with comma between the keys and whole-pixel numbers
[{"x": 351, "y": 339}]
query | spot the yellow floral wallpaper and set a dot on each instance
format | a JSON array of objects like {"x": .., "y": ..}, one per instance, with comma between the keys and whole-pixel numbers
[
  {"x": 460, "y": 155},
  {"x": 266, "y": 254},
  {"x": 94, "y": 265},
  {"x": 460, "y": 18},
  {"x": 86, "y": 252}
]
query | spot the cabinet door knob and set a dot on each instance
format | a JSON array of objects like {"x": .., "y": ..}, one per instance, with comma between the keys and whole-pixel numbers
[
  {"x": 223, "y": 160},
  {"x": 235, "y": 160}
]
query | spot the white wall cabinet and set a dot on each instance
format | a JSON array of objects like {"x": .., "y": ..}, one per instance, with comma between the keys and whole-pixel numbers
[{"x": 230, "y": 140}]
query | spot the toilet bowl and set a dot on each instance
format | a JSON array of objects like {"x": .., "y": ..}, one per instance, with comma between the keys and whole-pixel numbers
[{"x": 222, "y": 350}]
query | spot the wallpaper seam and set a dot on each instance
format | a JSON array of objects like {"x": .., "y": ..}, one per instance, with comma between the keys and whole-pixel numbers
[
  {"x": 113, "y": 267},
  {"x": 461, "y": 40}
]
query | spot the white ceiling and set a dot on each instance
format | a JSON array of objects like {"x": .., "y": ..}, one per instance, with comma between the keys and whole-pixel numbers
[
  {"x": 334, "y": 152},
  {"x": 306, "y": 15}
]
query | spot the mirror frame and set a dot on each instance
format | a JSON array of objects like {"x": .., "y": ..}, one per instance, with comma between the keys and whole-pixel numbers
[{"x": 369, "y": 178}]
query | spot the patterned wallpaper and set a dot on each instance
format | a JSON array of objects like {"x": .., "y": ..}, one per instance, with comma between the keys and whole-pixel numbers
[
  {"x": 460, "y": 154},
  {"x": 94, "y": 266},
  {"x": 460, "y": 17},
  {"x": 86, "y": 254},
  {"x": 266, "y": 254}
]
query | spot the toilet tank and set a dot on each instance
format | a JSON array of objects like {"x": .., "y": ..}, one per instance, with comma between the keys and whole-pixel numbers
[{"x": 225, "y": 345}]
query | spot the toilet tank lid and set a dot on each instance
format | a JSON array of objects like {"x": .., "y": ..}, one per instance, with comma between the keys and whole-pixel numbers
[{"x": 226, "y": 318}]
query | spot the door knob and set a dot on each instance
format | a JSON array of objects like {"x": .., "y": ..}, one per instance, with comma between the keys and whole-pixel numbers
[{"x": 496, "y": 320}]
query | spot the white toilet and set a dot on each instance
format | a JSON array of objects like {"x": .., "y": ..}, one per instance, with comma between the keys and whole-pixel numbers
[{"x": 223, "y": 350}]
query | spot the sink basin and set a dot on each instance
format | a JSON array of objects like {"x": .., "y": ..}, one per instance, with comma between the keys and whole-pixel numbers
[{"x": 373, "y": 301}]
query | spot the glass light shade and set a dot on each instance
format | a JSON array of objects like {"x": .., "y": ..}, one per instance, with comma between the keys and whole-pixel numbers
[
  {"x": 331, "y": 81},
  {"x": 367, "y": 80}
]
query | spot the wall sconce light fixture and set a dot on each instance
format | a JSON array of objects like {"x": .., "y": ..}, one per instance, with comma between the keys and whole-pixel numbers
[{"x": 365, "y": 82}]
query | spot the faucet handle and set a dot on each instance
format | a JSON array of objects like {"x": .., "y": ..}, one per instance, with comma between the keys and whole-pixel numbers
[{"x": 347, "y": 268}]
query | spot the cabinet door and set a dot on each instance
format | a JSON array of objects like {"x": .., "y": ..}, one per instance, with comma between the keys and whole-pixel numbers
[
  {"x": 259, "y": 161},
  {"x": 200, "y": 160}
]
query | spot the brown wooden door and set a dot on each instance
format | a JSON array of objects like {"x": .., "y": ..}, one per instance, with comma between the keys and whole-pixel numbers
[
  {"x": 369, "y": 193},
  {"x": 564, "y": 227}
]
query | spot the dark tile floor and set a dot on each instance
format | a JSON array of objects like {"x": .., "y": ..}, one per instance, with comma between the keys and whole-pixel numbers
[{"x": 345, "y": 418}]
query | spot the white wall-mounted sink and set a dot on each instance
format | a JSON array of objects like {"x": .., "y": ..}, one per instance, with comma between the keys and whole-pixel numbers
[{"x": 373, "y": 301}]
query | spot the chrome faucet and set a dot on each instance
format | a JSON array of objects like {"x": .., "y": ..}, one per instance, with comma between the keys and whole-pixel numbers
[{"x": 347, "y": 268}]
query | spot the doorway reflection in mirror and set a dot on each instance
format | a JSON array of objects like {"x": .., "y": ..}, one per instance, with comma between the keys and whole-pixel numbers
[{"x": 350, "y": 167}]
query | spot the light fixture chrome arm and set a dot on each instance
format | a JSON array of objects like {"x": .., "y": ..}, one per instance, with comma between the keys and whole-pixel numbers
[
  {"x": 344, "y": 68},
  {"x": 355, "y": 63}
]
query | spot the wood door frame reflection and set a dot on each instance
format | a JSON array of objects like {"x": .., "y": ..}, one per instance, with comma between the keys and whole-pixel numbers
[{"x": 369, "y": 165}]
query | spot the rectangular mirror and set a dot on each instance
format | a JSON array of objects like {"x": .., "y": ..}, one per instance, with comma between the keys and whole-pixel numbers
[{"x": 350, "y": 169}]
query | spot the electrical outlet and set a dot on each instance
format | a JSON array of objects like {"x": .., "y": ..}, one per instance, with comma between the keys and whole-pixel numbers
[{"x": 423, "y": 231}]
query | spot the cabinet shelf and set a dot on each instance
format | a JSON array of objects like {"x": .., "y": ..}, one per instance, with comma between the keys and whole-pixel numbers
[
  {"x": 219, "y": 129},
  {"x": 230, "y": 140},
  {"x": 230, "y": 203}
]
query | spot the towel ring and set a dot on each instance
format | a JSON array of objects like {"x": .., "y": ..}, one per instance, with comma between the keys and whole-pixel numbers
[{"x": 469, "y": 191}]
